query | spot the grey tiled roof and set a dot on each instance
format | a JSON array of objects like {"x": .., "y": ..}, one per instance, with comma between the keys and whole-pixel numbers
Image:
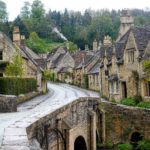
[
  {"x": 95, "y": 68},
  {"x": 142, "y": 37},
  {"x": 57, "y": 60}
]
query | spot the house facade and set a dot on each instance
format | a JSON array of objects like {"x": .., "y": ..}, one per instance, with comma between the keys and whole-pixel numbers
[
  {"x": 61, "y": 62},
  {"x": 9, "y": 49},
  {"x": 121, "y": 72}
]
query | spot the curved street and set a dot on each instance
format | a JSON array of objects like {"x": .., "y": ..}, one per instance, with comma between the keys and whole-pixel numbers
[{"x": 58, "y": 96}]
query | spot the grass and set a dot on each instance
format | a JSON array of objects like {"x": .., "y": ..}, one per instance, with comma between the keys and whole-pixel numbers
[
  {"x": 135, "y": 102},
  {"x": 125, "y": 147},
  {"x": 129, "y": 102},
  {"x": 144, "y": 105}
]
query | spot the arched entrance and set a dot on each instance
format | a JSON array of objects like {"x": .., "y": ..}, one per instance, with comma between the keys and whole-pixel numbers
[
  {"x": 135, "y": 137},
  {"x": 80, "y": 144}
]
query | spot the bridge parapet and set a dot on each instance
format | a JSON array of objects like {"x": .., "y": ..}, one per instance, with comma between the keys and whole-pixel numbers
[
  {"x": 121, "y": 122},
  {"x": 61, "y": 127}
]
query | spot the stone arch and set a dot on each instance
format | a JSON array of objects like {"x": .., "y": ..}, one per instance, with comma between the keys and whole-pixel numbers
[
  {"x": 135, "y": 137},
  {"x": 80, "y": 143}
]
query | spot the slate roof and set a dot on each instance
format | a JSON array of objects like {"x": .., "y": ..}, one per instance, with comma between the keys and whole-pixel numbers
[
  {"x": 32, "y": 54},
  {"x": 57, "y": 60},
  {"x": 42, "y": 63},
  {"x": 78, "y": 58},
  {"x": 51, "y": 54},
  {"x": 95, "y": 68},
  {"x": 64, "y": 69},
  {"x": 142, "y": 37},
  {"x": 29, "y": 56}
]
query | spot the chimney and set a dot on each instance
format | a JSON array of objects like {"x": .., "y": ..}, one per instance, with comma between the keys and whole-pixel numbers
[
  {"x": 99, "y": 45},
  {"x": 107, "y": 41},
  {"x": 126, "y": 22},
  {"x": 95, "y": 45},
  {"x": 86, "y": 47},
  {"x": 16, "y": 36}
]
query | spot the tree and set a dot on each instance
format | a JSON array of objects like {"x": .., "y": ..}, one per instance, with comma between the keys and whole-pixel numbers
[
  {"x": 36, "y": 43},
  {"x": 15, "y": 69},
  {"x": 38, "y": 17},
  {"x": 25, "y": 10},
  {"x": 3, "y": 12},
  {"x": 37, "y": 11}
]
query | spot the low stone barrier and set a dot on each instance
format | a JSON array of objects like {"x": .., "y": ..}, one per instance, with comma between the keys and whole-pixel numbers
[{"x": 8, "y": 103}]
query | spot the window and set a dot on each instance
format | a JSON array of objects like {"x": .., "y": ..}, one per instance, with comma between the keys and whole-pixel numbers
[
  {"x": 1, "y": 55},
  {"x": 131, "y": 56},
  {"x": 148, "y": 89},
  {"x": 106, "y": 73},
  {"x": 113, "y": 87}
]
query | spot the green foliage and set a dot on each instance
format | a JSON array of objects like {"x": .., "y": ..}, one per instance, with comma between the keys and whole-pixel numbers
[
  {"x": 25, "y": 10},
  {"x": 109, "y": 144},
  {"x": 86, "y": 82},
  {"x": 125, "y": 147},
  {"x": 143, "y": 145},
  {"x": 144, "y": 105},
  {"x": 3, "y": 12},
  {"x": 136, "y": 101},
  {"x": 16, "y": 86},
  {"x": 72, "y": 46},
  {"x": 80, "y": 28},
  {"x": 49, "y": 75},
  {"x": 15, "y": 69},
  {"x": 129, "y": 102},
  {"x": 36, "y": 44}
]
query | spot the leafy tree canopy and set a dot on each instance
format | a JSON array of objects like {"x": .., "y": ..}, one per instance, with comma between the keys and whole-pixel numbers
[
  {"x": 3, "y": 12},
  {"x": 15, "y": 69}
]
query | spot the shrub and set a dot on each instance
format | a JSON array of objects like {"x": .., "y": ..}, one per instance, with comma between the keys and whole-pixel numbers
[
  {"x": 86, "y": 82},
  {"x": 16, "y": 86},
  {"x": 125, "y": 147},
  {"x": 129, "y": 102},
  {"x": 143, "y": 145},
  {"x": 144, "y": 105}
]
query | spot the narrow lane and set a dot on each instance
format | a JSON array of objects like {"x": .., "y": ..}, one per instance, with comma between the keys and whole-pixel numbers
[{"x": 58, "y": 96}]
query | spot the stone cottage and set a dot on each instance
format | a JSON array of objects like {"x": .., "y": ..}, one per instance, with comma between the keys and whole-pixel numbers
[
  {"x": 121, "y": 72},
  {"x": 61, "y": 63},
  {"x": 82, "y": 58},
  {"x": 8, "y": 50}
]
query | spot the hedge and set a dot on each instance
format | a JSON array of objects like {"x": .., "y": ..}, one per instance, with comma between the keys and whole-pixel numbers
[{"x": 16, "y": 86}]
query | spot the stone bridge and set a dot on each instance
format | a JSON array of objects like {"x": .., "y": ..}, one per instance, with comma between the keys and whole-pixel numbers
[
  {"x": 72, "y": 127},
  {"x": 82, "y": 124}
]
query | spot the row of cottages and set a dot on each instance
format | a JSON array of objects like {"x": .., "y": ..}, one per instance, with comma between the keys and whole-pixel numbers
[
  {"x": 121, "y": 71},
  {"x": 8, "y": 49},
  {"x": 61, "y": 63},
  {"x": 116, "y": 70},
  {"x": 121, "y": 64}
]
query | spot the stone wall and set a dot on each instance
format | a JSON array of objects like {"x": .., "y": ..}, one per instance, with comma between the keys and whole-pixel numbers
[
  {"x": 71, "y": 121},
  {"x": 122, "y": 121},
  {"x": 8, "y": 103}
]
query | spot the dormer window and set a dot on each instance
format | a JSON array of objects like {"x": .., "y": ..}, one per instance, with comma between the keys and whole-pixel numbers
[
  {"x": 131, "y": 56},
  {"x": 1, "y": 55}
]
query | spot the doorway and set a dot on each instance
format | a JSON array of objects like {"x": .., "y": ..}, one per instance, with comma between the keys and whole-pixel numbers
[
  {"x": 124, "y": 90},
  {"x": 80, "y": 144}
]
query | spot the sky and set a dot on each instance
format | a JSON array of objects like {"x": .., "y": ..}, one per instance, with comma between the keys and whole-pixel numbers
[{"x": 14, "y": 6}]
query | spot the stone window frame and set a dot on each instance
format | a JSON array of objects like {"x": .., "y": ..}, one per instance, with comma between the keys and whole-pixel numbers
[
  {"x": 114, "y": 87},
  {"x": 131, "y": 55}
]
